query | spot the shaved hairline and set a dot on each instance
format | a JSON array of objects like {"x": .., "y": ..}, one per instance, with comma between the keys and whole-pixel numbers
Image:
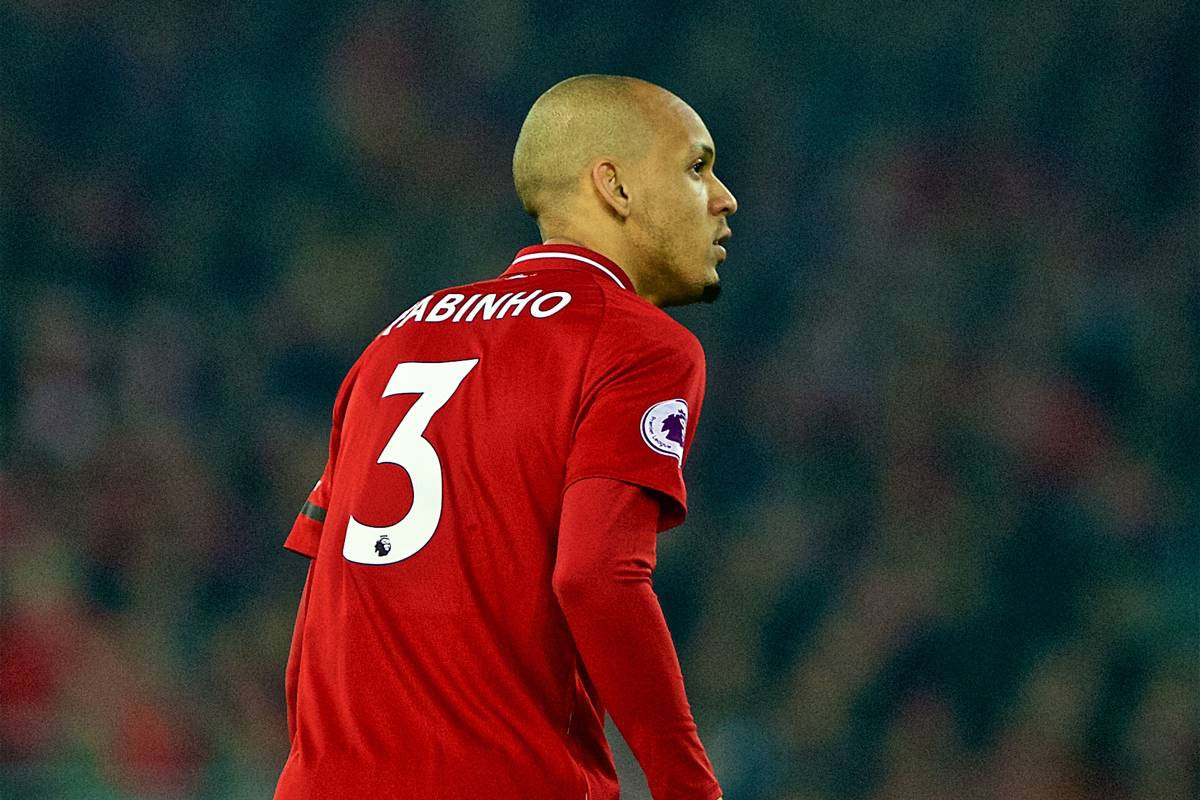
[{"x": 569, "y": 126}]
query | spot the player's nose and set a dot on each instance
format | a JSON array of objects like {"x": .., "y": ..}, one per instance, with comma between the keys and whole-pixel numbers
[{"x": 723, "y": 202}]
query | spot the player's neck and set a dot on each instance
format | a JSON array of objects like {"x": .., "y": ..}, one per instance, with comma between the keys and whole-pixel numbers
[
  {"x": 586, "y": 245},
  {"x": 614, "y": 257}
]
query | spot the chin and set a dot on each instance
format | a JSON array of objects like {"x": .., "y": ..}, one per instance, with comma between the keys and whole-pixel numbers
[
  {"x": 706, "y": 292},
  {"x": 691, "y": 283}
]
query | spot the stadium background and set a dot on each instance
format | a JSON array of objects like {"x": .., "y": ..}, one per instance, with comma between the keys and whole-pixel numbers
[{"x": 944, "y": 538}]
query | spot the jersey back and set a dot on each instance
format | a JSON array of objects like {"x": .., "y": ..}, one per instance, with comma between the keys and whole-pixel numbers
[{"x": 430, "y": 657}]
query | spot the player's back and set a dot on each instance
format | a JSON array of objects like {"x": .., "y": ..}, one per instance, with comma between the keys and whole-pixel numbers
[{"x": 431, "y": 657}]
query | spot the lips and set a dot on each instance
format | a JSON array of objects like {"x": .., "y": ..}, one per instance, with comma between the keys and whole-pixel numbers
[{"x": 720, "y": 241}]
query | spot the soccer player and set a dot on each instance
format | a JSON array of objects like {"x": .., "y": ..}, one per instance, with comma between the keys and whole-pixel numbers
[{"x": 502, "y": 458}]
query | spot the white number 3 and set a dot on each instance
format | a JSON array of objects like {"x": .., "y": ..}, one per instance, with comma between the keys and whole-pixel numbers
[{"x": 436, "y": 383}]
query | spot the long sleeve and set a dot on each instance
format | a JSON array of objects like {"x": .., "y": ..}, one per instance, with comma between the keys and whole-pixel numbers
[
  {"x": 602, "y": 577},
  {"x": 292, "y": 675}
]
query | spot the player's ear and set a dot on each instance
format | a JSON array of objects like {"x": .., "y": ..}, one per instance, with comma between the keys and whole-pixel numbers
[{"x": 606, "y": 180}]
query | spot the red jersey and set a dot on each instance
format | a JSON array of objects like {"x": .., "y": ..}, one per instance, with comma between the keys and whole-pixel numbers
[{"x": 431, "y": 659}]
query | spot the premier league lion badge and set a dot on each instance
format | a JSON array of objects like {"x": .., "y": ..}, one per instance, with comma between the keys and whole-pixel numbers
[{"x": 664, "y": 425}]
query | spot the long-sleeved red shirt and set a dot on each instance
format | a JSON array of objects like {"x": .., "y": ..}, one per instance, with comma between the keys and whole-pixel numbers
[
  {"x": 461, "y": 631},
  {"x": 602, "y": 578}
]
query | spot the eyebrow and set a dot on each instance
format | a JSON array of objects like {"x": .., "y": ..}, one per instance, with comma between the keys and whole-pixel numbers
[{"x": 705, "y": 151}]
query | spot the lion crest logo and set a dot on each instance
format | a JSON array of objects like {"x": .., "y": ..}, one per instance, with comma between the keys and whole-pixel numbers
[{"x": 664, "y": 427}]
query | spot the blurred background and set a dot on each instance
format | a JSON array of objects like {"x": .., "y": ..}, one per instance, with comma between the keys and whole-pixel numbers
[{"x": 945, "y": 532}]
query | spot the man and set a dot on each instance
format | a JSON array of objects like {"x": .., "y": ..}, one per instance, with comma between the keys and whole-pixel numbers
[{"x": 502, "y": 457}]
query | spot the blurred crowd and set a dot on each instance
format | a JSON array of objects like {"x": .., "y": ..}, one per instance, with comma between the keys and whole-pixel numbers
[{"x": 945, "y": 529}]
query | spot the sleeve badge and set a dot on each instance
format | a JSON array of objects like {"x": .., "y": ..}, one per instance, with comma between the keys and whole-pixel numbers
[{"x": 664, "y": 426}]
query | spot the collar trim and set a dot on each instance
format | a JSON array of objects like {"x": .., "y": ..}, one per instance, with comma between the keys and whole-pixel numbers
[
  {"x": 573, "y": 257},
  {"x": 572, "y": 253}
]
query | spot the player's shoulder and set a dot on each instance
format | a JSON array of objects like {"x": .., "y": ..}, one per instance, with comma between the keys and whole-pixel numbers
[{"x": 638, "y": 323}]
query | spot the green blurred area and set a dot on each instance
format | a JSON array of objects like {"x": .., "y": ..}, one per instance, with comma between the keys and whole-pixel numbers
[{"x": 945, "y": 529}]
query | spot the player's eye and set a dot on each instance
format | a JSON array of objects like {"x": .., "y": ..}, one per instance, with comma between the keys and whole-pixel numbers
[{"x": 699, "y": 165}]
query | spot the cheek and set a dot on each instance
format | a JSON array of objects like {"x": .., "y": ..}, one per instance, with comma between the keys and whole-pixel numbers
[
  {"x": 678, "y": 224},
  {"x": 691, "y": 210}
]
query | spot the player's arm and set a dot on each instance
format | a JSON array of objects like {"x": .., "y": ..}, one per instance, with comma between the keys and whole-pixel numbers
[
  {"x": 602, "y": 577},
  {"x": 292, "y": 676},
  {"x": 305, "y": 539}
]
